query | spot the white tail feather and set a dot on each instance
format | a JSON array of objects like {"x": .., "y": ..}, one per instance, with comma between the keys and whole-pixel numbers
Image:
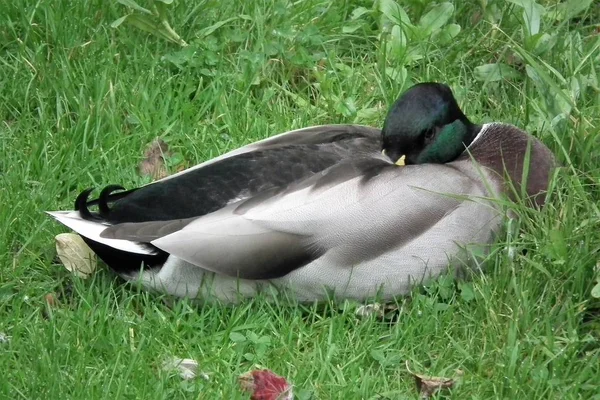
[{"x": 92, "y": 231}]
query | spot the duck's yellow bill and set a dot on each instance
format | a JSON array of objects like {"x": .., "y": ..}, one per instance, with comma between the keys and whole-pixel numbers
[{"x": 401, "y": 160}]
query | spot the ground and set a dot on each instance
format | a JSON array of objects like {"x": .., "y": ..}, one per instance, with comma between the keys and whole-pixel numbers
[{"x": 80, "y": 101}]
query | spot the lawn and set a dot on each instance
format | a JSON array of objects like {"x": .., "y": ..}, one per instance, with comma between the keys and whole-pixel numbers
[{"x": 80, "y": 101}]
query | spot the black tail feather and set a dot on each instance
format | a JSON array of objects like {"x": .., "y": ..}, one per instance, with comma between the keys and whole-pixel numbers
[
  {"x": 82, "y": 203},
  {"x": 104, "y": 198},
  {"x": 111, "y": 197},
  {"x": 82, "y": 207}
]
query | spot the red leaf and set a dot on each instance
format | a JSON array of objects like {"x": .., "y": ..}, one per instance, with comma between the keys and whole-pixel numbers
[{"x": 265, "y": 385}]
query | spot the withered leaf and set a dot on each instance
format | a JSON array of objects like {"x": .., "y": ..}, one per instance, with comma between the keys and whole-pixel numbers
[
  {"x": 4, "y": 338},
  {"x": 51, "y": 300},
  {"x": 75, "y": 255},
  {"x": 428, "y": 385},
  {"x": 187, "y": 368},
  {"x": 376, "y": 309},
  {"x": 153, "y": 164}
]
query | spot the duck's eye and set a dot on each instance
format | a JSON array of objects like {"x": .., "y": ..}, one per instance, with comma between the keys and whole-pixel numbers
[{"x": 430, "y": 133}]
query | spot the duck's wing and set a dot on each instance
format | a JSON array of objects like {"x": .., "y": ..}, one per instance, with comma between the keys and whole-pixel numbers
[
  {"x": 319, "y": 134},
  {"x": 354, "y": 211},
  {"x": 238, "y": 175}
]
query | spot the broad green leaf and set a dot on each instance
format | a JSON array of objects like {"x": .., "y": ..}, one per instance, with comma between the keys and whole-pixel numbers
[
  {"x": 397, "y": 74},
  {"x": 166, "y": 1},
  {"x": 148, "y": 24},
  {"x": 466, "y": 291},
  {"x": 366, "y": 114},
  {"x": 394, "y": 12},
  {"x": 592, "y": 78},
  {"x": 447, "y": 33},
  {"x": 495, "y": 72},
  {"x": 359, "y": 12},
  {"x": 596, "y": 291},
  {"x": 117, "y": 22},
  {"x": 492, "y": 13},
  {"x": 533, "y": 17},
  {"x": 436, "y": 18},
  {"x": 143, "y": 22},
  {"x": 398, "y": 42},
  {"x": 346, "y": 107},
  {"x": 414, "y": 54},
  {"x": 351, "y": 28},
  {"x": 452, "y": 30},
  {"x": 135, "y": 6},
  {"x": 264, "y": 340},
  {"x": 570, "y": 8},
  {"x": 563, "y": 103},
  {"x": 182, "y": 57},
  {"x": 253, "y": 337},
  {"x": 237, "y": 337},
  {"x": 543, "y": 42},
  {"x": 534, "y": 76},
  {"x": 160, "y": 9},
  {"x": 532, "y": 14},
  {"x": 210, "y": 29},
  {"x": 378, "y": 355},
  {"x": 560, "y": 249},
  {"x": 522, "y": 3}
]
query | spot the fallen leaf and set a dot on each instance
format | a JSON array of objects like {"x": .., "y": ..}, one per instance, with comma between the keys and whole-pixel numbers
[
  {"x": 51, "y": 300},
  {"x": 75, "y": 255},
  {"x": 187, "y": 368},
  {"x": 428, "y": 385},
  {"x": 381, "y": 311},
  {"x": 153, "y": 164},
  {"x": 367, "y": 310},
  {"x": 265, "y": 385},
  {"x": 4, "y": 338}
]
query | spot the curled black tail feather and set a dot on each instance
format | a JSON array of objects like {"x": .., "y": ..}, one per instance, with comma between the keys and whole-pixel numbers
[
  {"x": 82, "y": 203},
  {"x": 81, "y": 206},
  {"x": 103, "y": 199},
  {"x": 111, "y": 197}
]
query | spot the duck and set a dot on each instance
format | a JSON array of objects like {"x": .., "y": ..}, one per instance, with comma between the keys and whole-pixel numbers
[{"x": 343, "y": 211}]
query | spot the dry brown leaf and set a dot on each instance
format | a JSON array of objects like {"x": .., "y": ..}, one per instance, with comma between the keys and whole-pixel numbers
[
  {"x": 385, "y": 313},
  {"x": 51, "y": 300},
  {"x": 75, "y": 255},
  {"x": 368, "y": 310},
  {"x": 380, "y": 311},
  {"x": 153, "y": 164},
  {"x": 428, "y": 385}
]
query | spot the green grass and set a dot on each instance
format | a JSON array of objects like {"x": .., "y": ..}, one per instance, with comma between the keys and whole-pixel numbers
[{"x": 79, "y": 101}]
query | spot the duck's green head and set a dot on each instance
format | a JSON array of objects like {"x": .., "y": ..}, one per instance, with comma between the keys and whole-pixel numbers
[{"x": 426, "y": 125}]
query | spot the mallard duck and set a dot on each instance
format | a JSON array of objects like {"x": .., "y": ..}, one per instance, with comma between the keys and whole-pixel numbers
[{"x": 324, "y": 211}]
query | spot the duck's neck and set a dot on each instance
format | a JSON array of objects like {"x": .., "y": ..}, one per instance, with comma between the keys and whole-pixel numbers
[{"x": 505, "y": 149}]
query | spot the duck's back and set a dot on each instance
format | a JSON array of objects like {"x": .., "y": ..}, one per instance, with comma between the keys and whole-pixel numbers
[{"x": 276, "y": 164}]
